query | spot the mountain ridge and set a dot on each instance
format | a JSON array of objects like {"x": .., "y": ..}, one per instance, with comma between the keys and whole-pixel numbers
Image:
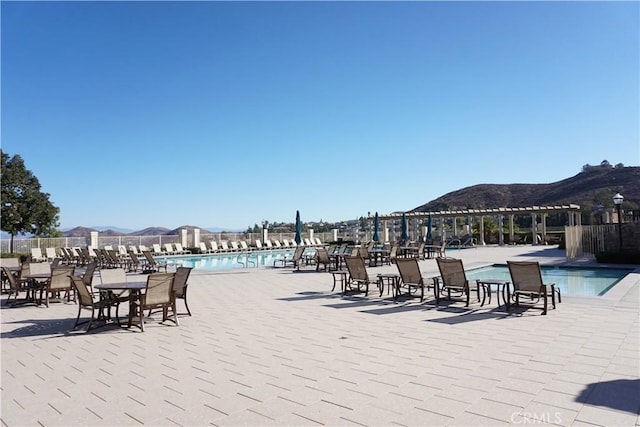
[{"x": 593, "y": 186}]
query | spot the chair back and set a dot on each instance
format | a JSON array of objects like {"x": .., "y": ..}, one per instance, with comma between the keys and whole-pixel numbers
[
  {"x": 60, "y": 277},
  {"x": 156, "y": 248},
  {"x": 180, "y": 280},
  {"x": 451, "y": 271},
  {"x": 13, "y": 284},
  {"x": 322, "y": 256},
  {"x": 84, "y": 296},
  {"x": 113, "y": 275},
  {"x": 159, "y": 288},
  {"x": 525, "y": 275},
  {"x": 409, "y": 270},
  {"x": 10, "y": 262},
  {"x": 203, "y": 247},
  {"x": 87, "y": 278},
  {"x": 214, "y": 245},
  {"x": 357, "y": 269},
  {"x": 393, "y": 253},
  {"x": 363, "y": 251},
  {"x": 134, "y": 258},
  {"x": 39, "y": 268},
  {"x": 150, "y": 259},
  {"x": 297, "y": 255},
  {"x": 169, "y": 248}
]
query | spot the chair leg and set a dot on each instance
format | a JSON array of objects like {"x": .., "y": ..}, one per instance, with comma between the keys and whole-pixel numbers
[{"x": 184, "y": 297}]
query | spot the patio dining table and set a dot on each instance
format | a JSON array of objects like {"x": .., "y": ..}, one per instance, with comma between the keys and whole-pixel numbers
[{"x": 134, "y": 288}]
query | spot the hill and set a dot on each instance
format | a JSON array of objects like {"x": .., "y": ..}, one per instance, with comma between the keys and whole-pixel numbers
[{"x": 594, "y": 185}]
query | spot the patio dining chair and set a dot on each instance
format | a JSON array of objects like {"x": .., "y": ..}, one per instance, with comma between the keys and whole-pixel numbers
[
  {"x": 453, "y": 279},
  {"x": 59, "y": 282},
  {"x": 526, "y": 278},
  {"x": 180, "y": 288},
  {"x": 157, "y": 294},
  {"x": 87, "y": 301}
]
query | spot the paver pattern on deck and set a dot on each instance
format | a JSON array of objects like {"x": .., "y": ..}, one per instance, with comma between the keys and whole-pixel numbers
[{"x": 273, "y": 347}]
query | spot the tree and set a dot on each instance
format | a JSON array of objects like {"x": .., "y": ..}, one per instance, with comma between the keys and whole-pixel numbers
[{"x": 24, "y": 208}]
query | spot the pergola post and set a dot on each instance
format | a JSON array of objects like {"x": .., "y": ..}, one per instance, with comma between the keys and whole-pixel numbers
[
  {"x": 481, "y": 228},
  {"x": 500, "y": 231},
  {"x": 512, "y": 236}
]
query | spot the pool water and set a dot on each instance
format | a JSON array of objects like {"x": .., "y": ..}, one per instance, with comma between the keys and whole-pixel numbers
[
  {"x": 228, "y": 261},
  {"x": 576, "y": 281}
]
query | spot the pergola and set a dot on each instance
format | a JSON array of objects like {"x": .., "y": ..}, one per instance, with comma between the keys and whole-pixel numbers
[{"x": 572, "y": 211}]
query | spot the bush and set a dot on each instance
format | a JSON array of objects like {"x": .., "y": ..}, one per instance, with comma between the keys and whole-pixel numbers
[{"x": 618, "y": 257}]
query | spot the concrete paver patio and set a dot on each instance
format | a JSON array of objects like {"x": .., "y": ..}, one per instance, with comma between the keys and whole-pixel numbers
[{"x": 273, "y": 347}]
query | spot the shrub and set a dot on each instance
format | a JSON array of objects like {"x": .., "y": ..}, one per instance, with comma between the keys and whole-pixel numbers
[{"x": 618, "y": 257}]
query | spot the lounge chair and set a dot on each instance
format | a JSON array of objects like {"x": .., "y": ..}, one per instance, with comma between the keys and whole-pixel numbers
[
  {"x": 204, "y": 249},
  {"x": 214, "y": 246},
  {"x": 152, "y": 264},
  {"x": 526, "y": 278},
  {"x": 295, "y": 260},
  {"x": 51, "y": 254},
  {"x": 453, "y": 279},
  {"x": 234, "y": 246},
  {"x": 36, "y": 255},
  {"x": 318, "y": 242},
  {"x": 157, "y": 250},
  {"x": 276, "y": 244},
  {"x": 224, "y": 247},
  {"x": 285, "y": 243},
  {"x": 307, "y": 242},
  {"x": 180, "y": 250},
  {"x": 244, "y": 246},
  {"x": 412, "y": 277},
  {"x": 358, "y": 275},
  {"x": 268, "y": 244},
  {"x": 168, "y": 248}
]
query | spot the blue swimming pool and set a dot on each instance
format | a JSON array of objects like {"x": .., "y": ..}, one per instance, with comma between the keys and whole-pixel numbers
[
  {"x": 578, "y": 281},
  {"x": 228, "y": 261}
]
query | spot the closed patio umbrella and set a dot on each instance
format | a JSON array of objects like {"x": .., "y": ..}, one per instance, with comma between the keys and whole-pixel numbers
[
  {"x": 404, "y": 235},
  {"x": 298, "y": 237},
  {"x": 376, "y": 238},
  {"x": 429, "y": 232}
]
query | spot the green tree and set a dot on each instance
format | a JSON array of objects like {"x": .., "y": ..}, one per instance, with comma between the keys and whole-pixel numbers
[{"x": 24, "y": 208}]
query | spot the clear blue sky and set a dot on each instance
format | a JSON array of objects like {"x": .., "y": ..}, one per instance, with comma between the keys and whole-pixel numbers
[{"x": 222, "y": 114}]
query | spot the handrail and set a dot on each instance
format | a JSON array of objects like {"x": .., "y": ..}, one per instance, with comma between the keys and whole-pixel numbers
[{"x": 247, "y": 261}]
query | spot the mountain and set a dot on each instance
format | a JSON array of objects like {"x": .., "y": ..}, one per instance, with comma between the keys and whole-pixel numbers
[
  {"x": 78, "y": 232},
  {"x": 594, "y": 185},
  {"x": 151, "y": 231}
]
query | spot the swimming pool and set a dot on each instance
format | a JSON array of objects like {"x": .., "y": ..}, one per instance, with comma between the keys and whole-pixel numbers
[
  {"x": 233, "y": 260},
  {"x": 577, "y": 281}
]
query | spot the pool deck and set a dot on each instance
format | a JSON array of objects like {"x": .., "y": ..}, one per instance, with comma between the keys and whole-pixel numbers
[{"x": 274, "y": 347}]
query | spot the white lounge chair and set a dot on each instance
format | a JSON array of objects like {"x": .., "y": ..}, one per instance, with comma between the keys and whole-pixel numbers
[
  {"x": 36, "y": 255},
  {"x": 259, "y": 245},
  {"x": 268, "y": 244},
  {"x": 214, "y": 246},
  {"x": 204, "y": 249},
  {"x": 285, "y": 243},
  {"x": 234, "y": 246},
  {"x": 276, "y": 243},
  {"x": 180, "y": 250},
  {"x": 224, "y": 247},
  {"x": 157, "y": 250},
  {"x": 168, "y": 248},
  {"x": 51, "y": 254},
  {"x": 307, "y": 242},
  {"x": 244, "y": 246}
]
